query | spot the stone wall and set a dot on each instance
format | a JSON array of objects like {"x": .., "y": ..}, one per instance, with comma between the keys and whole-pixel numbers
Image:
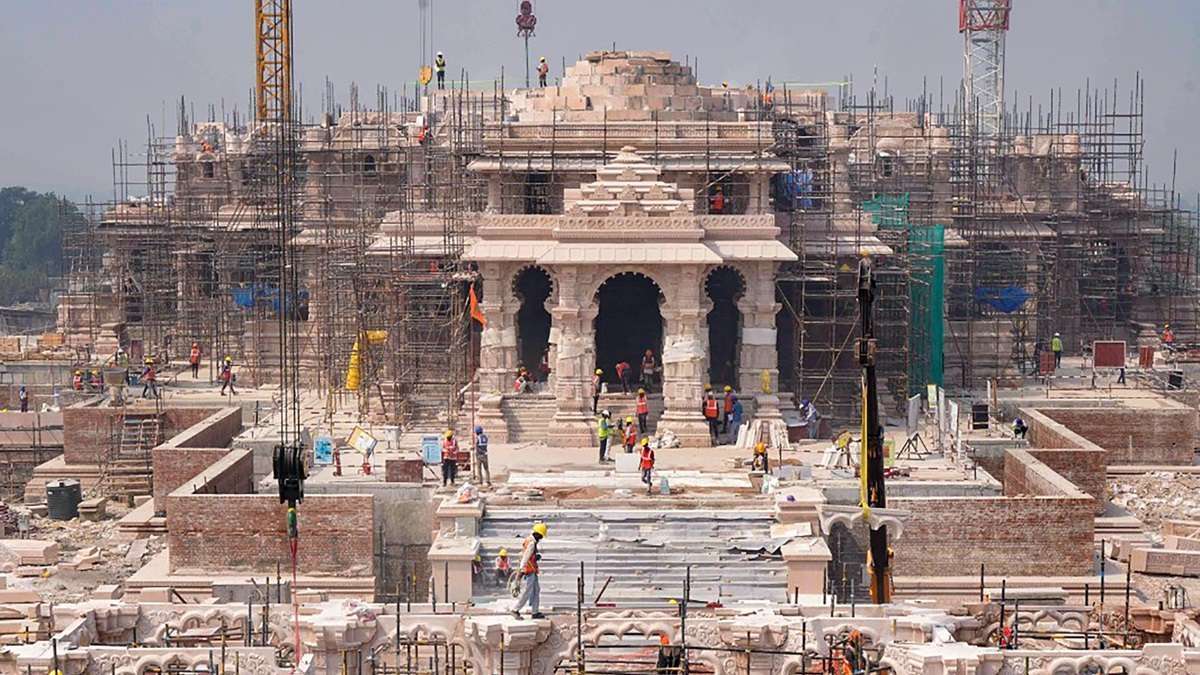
[
  {"x": 175, "y": 466},
  {"x": 1086, "y": 468},
  {"x": 1163, "y": 435},
  {"x": 1046, "y": 531},
  {"x": 89, "y": 426},
  {"x": 217, "y": 525}
]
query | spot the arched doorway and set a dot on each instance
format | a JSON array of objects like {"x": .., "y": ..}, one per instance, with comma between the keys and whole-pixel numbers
[
  {"x": 532, "y": 287},
  {"x": 628, "y": 323},
  {"x": 724, "y": 287}
]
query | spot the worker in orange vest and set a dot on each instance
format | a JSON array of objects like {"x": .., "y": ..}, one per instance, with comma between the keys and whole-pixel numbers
[
  {"x": 150, "y": 379},
  {"x": 712, "y": 414},
  {"x": 77, "y": 381},
  {"x": 531, "y": 590},
  {"x": 647, "y": 463},
  {"x": 643, "y": 411},
  {"x": 716, "y": 203},
  {"x": 194, "y": 360},
  {"x": 625, "y": 375},
  {"x": 631, "y": 435}
]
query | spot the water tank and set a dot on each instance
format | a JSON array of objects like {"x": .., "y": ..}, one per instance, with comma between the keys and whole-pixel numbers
[{"x": 62, "y": 498}]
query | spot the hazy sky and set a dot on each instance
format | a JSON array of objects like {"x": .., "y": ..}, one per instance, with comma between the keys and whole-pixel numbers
[{"x": 80, "y": 74}]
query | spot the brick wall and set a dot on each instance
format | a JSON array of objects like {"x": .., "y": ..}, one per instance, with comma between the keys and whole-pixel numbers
[
  {"x": 1048, "y": 533},
  {"x": 1165, "y": 435},
  {"x": 1086, "y": 468},
  {"x": 175, "y": 466},
  {"x": 212, "y": 430},
  {"x": 88, "y": 428},
  {"x": 215, "y": 525}
]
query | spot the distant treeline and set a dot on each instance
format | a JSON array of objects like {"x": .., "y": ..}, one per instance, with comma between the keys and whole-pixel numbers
[{"x": 31, "y": 242}]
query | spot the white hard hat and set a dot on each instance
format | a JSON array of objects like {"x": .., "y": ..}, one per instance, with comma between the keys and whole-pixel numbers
[{"x": 439, "y": 53}]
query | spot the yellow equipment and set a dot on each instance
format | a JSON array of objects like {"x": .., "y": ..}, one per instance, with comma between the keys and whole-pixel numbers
[
  {"x": 540, "y": 529},
  {"x": 273, "y": 52},
  {"x": 354, "y": 368},
  {"x": 503, "y": 553}
]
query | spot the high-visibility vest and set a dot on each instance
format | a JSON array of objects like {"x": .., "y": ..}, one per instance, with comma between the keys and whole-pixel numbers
[
  {"x": 647, "y": 458},
  {"x": 630, "y": 435},
  {"x": 195, "y": 355},
  {"x": 450, "y": 450},
  {"x": 729, "y": 402},
  {"x": 440, "y": 64},
  {"x": 643, "y": 406},
  {"x": 1055, "y": 345},
  {"x": 530, "y": 567},
  {"x": 718, "y": 202},
  {"x": 710, "y": 408},
  {"x": 602, "y": 428}
]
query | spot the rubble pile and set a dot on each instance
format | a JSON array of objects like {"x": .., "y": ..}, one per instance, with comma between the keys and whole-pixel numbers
[{"x": 1158, "y": 496}]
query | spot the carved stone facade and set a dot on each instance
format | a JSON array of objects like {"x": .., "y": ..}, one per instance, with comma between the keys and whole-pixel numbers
[{"x": 628, "y": 221}]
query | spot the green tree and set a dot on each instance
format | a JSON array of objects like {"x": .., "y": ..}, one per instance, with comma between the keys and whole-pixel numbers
[{"x": 31, "y": 241}]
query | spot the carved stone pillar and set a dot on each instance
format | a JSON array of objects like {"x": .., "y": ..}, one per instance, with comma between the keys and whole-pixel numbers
[
  {"x": 758, "y": 347},
  {"x": 574, "y": 352},
  {"x": 497, "y": 350},
  {"x": 337, "y": 629},
  {"x": 684, "y": 358}
]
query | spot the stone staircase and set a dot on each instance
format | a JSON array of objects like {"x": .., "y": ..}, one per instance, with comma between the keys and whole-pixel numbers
[
  {"x": 529, "y": 416},
  {"x": 646, "y": 553}
]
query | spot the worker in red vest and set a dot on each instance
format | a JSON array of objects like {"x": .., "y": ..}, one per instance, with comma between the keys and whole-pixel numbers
[
  {"x": 449, "y": 458},
  {"x": 77, "y": 381},
  {"x": 625, "y": 375},
  {"x": 647, "y": 463},
  {"x": 643, "y": 411},
  {"x": 716, "y": 203},
  {"x": 631, "y": 435},
  {"x": 150, "y": 379},
  {"x": 727, "y": 409},
  {"x": 712, "y": 414},
  {"x": 194, "y": 360},
  {"x": 531, "y": 589}
]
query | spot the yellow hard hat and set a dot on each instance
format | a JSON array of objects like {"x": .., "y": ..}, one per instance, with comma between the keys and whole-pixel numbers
[
  {"x": 539, "y": 529},
  {"x": 599, "y": 372},
  {"x": 629, "y": 419},
  {"x": 478, "y": 558},
  {"x": 503, "y": 553},
  {"x": 641, "y": 391},
  {"x": 728, "y": 388},
  {"x": 449, "y": 433},
  {"x": 760, "y": 447},
  {"x": 645, "y": 440},
  {"x": 228, "y": 358},
  {"x": 708, "y": 387}
]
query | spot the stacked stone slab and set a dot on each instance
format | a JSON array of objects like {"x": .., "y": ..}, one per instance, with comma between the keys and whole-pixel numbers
[{"x": 630, "y": 86}]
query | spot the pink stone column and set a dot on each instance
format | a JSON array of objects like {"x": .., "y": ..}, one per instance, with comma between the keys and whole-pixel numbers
[
  {"x": 574, "y": 352},
  {"x": 684, "y": 355}
]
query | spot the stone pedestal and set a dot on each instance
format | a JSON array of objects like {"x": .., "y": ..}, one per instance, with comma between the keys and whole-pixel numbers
[
  {"x": 503, "y": 644},
  {"x": 461, "y": 520},
  {"x": 336, "y": 629},
  {"x": 451, "y": 558},
  {"x": 490, "y": 416},
  {"x": 806, "y": 560}
]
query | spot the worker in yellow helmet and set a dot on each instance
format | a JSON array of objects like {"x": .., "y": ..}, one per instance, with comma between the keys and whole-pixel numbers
[
  {"x": 596, "y": 386},
  {"x": 542, "y": 71},
  {"x": 502, "y": 567},
  {"x": 531, "y": 591},
  {"x": 226, "y": 376},
  {"x": 760, "y": 461}
]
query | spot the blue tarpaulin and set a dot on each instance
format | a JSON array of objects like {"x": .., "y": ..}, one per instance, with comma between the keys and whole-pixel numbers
[
  {"x": 1006, "y": 299},
  {"x": 247, "y": 297}
]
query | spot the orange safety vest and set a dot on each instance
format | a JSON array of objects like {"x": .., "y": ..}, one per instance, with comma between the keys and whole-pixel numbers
[
  {"x": 195, "y": 356},
  {"x": 450, "y": 450},
  {"x": 530, "y": 567},
  {"x": 710, "y": 408},
  {"x": 630, "y": 435},
  {"x": 729, "y": 402},
  {"x": 643, "y": 406},
  {"x": 647, "y": 458},
  {"x": 718, "y": 202}
]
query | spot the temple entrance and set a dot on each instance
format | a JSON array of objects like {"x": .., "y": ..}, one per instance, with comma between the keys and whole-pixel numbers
[
  {"x": 532, "y": 287},
  {"x": 629, "y": 322},
  {"x": 724, "y": 286}
]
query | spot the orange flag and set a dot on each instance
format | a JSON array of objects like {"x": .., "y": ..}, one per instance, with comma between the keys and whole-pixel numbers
[{"x": 476, "y": 313}]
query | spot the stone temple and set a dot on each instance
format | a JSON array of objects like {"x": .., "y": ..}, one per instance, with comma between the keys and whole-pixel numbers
[{"x": 357, "y": 285}]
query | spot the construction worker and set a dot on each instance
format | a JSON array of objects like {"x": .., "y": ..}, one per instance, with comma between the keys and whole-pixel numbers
[
  {"x": 194, "y": 360},
  {"x": 631, "y": 435},
  {"x": 150, "y": 379},
  {"x": 502, "y": 567},
  {"x": 649, "y": 367},
  {"x": 542, "y": 71},
  {"x": 596, "y": 386},
  {"x": 1056, "y": 346},
  {"x": 439, "y": 64},
  {"x": 531, "y": 591},
  {"x": 625, "y": 375},
  {"x": 716, "y": 202},
  {"x": 727, "y": 408},
  {"x": 1168, "y": 336},
  {"x": 712, "y": 414},
  {"x": 449, "y": 458},
  {"x": 1019, "y": 428},
  {"x": 227, "y": 377},
  {"x": 482, "y": 469},
  {"x": 760, "y": 461},
  {"x": 77, "y": 380},
  {"x": 23, "y": 398},
  {"x": 809, "y": 418},
  {"x": 603, "y": 430},
  {"x": 647, "y": 463},
  {"x": 643, "y": 411},
  {"x": 736, "y": 418}
]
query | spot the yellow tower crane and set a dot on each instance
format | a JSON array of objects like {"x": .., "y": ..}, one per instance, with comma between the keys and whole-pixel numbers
[{"x": 273, "y": 52}]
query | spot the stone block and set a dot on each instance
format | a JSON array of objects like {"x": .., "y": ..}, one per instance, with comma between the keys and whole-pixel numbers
[
  {"x": 31, "y": 551},
  {"x": 1163, "y": 561},
  {"x": 16, "y": 596},
  {"x": 403, "y": 470},
  {"x": 1174, "y": 542},
  {"x": 92, "y": 509},
  {"x": 107, "y": 592}
]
